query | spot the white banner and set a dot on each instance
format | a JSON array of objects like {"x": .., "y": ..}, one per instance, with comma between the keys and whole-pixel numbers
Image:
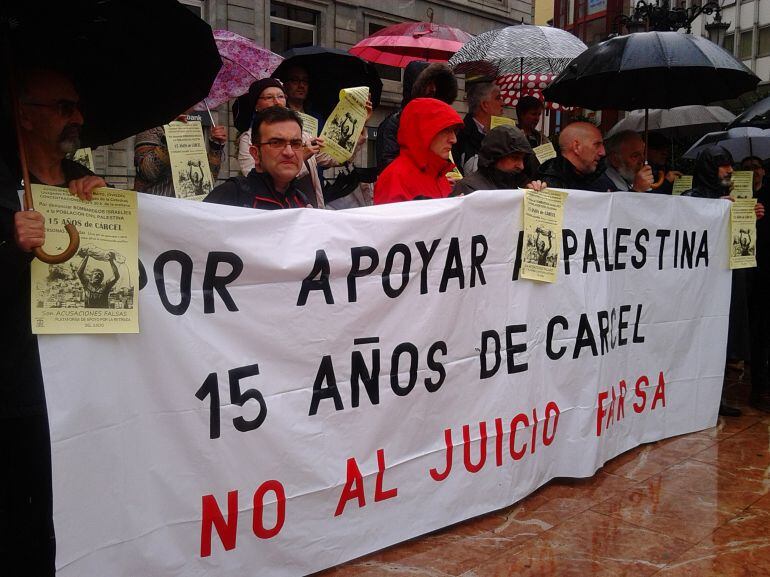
[{"x": 310, "y": 386}]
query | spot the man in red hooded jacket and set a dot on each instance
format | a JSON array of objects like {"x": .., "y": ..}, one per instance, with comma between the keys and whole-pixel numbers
[{"x": 426, "y": 134}]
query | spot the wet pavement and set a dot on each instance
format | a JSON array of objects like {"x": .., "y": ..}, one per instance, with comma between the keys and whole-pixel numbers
[{"x": 696, "y": 505}]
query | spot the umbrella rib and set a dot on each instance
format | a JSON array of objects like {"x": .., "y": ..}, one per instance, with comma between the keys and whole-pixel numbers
[{"x": 240, "y": 65}]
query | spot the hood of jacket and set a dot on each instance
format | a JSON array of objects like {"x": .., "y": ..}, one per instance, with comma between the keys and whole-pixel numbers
[
  {"x": 705, "y": 180},
  {"x": 500, "y": 142},
  {"x": 442, "y": 78},
  {"x": 411, "y": 72},
  {"x": 421, "y": 121}
]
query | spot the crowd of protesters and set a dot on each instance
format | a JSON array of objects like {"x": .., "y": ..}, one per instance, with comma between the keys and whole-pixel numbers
[{"x": 425, "y": 150}]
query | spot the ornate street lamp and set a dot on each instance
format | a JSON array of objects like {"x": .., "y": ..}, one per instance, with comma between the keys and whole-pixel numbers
[{"x": 661, "y": 16}]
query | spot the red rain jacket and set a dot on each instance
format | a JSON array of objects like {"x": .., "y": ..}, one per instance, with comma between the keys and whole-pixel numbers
[{"x": 417, "y": 172}]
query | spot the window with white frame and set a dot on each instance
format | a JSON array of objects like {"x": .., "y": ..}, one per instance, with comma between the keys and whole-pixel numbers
[{"x": 292, "y": 27}]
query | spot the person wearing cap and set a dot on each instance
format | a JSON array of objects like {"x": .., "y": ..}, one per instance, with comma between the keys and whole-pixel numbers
[
  {"x": 712, "y": 178},
  {"x": 426, "y": 133},
  {"x": 502, "y": 158}
]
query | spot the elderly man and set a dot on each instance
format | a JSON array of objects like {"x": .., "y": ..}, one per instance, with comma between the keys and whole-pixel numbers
[
  {"x": 626, "y": 170},
  {"x": 580, "y": 161},
  {"x": 484, "y": 102},
  {"x": 502, "y": 158},
  {"x": 50, "y": 124},
  {"x": 276, "y": 146}
]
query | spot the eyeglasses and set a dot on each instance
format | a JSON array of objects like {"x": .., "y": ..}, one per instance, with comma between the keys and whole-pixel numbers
[
  {"x": 273, "y": 97},
  {"x": 281, "y": 143},
  {"x": 298, "y": 80},
  {"x": 64, "y": 108}
]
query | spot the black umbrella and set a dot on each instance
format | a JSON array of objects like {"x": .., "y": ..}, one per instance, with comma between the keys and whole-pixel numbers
[
  {"x": 651, "y": 70},
  {"x": 756, "y": 115},
  {"x": 135, "y": 63},
  {"x": 330, "y": 70}
]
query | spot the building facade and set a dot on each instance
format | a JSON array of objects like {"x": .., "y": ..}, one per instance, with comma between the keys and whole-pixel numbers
[{"x": 280, "y": 25}]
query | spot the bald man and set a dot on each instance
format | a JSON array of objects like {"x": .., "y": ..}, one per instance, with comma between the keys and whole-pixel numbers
[
  {"x": 579, "y": 163},
  {"x": 626, "y": 169}
]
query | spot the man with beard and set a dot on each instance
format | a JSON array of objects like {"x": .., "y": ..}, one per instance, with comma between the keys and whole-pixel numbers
[
  {"x": 626, "y": 170},
  {"x": 50, "y": 123},
  {"x": 503, "y": 155},
  {"x": 712, "y": 178}
]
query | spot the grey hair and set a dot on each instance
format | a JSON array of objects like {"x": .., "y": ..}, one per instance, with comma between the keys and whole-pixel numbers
[
  {"x": 478, "y": 92},
  {"x": 612, "y": 145}
]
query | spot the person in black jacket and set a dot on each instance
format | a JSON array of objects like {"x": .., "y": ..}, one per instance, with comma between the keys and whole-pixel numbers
[
  {"x": 421, "y": 80},
  {"x": 276, "y": 145},
  {"x": 50, "y": 121},
  {"x": 759, "y": 289},
  {"x": 502, "y": 161},
  {"x": 484, "y": 102},
  {"x": 712, "y": 178},
  {"x": 580, "y": 161}
]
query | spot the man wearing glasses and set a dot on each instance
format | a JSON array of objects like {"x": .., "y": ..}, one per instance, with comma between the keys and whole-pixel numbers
[
  {"x": 50, "y": 122},
  {"x": 276, "y": 146}
]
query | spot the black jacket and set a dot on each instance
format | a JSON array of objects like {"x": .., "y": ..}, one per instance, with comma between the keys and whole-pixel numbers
[
  {"x": 417, "y": 75},
  {"x": 705, "y": 179},
  {"x": 559, "y": 172},
  {"x": 256, "y": 191},
  {"x": 468, "y": 142}
]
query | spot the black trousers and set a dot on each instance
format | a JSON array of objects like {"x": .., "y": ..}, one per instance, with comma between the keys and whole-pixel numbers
[{"x": 27, "y": 539}]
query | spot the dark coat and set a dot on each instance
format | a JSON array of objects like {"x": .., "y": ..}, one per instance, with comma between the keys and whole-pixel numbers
[
  {"x": 416, "y": 76},
  {"x": 559, "y": 172},
  {"x": 468, "y": 142},
  {"x": 256, "y": 191},
  {"x": 499, "y": 143},
  {"x": 705, "y": 179}
]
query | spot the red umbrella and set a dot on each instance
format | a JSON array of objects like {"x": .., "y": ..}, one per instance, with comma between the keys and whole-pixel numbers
[
  {"x": 515, "y": 86},
  {"x": 399, "y": 44}
]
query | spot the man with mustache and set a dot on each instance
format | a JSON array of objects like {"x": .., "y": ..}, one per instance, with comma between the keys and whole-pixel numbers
[{"x": 50, "y": 122}]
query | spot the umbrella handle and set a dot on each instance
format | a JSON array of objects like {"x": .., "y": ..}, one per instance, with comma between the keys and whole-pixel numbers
[{"x": 68, "y": 253}]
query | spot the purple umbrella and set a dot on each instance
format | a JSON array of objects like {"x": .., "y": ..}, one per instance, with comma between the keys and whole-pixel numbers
[{"x": 243, "y": 62}]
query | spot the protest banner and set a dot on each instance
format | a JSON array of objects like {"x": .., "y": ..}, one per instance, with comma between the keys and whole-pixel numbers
[
  {"x": 345, "y": 124},
  {"x": 309, "y": 124},
  {"x": 298, "y": 398},
  {"x": 743, "y": 184},
  {"x": 544, "y": 152},
  {"x": 95, "y": 291},
  {"x": 190, "y": 169},
  {"x": 681, "y": 184},
  {"x": 543, "y": 217},
  {"x": 743, "y": 233}
]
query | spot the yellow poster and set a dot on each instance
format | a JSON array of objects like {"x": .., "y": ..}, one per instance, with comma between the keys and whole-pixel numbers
[
  {"x": 681, "y": 184},
  {"x": 96, "y": 291},
  {"x": 501, "y": 121},
  {"x": 309, "y": 124},
  {"x": 543, "y": 217},
  {"x": 455, "y": 173},
  {"x": 544, "y": 152},
  {"x": 189, "y": 160},
  {"x": 345, "y": 124},
  {"x": 743, "y": 233},
  {"x": 743, "y": 184},
  {"x": 84, "y": 156}
]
